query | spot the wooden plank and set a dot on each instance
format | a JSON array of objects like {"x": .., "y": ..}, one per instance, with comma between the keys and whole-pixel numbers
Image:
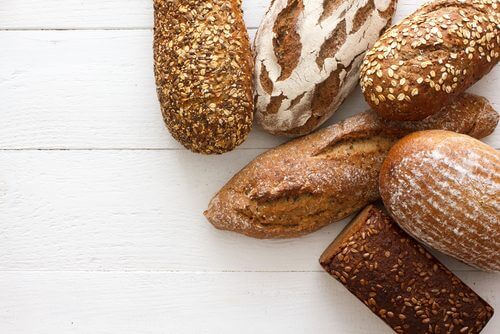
[
  {"x": 113, "y": 240},
  {"x": 84, "y": 89},
  {"x": 116, "y": 14},
  {"x": 133, "y": 210},
  {"x": 96, "y": 14},
  {"x": 95, "y": 89},
  {"x": 150, "y": 303}
]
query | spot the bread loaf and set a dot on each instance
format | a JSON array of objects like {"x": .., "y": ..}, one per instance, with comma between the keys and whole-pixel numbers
[
  {"x": 431, "y": 57},
  {"x": 444, "y": 189},
  {"x": 316, "y": 180},
  {"x": 400, "y": 281},
  {"x": 308, "y": 55},
  {"x": 203, "y": 69}
]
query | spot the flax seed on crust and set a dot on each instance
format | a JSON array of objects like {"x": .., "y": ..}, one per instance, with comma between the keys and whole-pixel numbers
[{"x": 399, "y": 281}]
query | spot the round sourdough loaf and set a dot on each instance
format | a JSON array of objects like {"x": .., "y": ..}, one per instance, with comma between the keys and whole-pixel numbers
[
  {"x": 203, "y": 68},
  {"x": 444, "y": 189},
  {"x": 307, "y": 59},
  {"x": 428, "y": 59}
]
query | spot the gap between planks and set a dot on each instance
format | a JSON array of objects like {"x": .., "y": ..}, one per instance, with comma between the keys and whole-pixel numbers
[
  {"x": 189, "y": 271},
  {"x": 194, "y": 272},
  {"x": 80, "y": 29},
  {"x": 90, "y": 29},
  {"x": 62, "y": 149},
  {"x": 35, "y": 149}
]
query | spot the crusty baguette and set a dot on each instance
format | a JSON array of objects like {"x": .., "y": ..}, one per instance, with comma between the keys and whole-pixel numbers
[
  {"x": 308, "y": 56},
  {"x": 404, "y": 285},
  {"x": 431, "y": 57},
  {"x": 316, "y": 180},
  {"x": 444, "y": 189},
  {"x": 203, "y": 69}
]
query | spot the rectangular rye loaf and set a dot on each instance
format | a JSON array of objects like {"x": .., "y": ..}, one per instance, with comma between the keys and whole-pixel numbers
[
  {"x": 322, "y": 178},
  {"x": 400, "y": 281},
  {"x": 308, "y": 56}
]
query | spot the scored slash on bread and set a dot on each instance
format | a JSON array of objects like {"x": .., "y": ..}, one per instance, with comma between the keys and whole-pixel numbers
[
  {"x": 399, "y": 281},
  {"x": 308, "y": 55},
  {"x": 443, "y": 188},
  {"x": 313, "y": 181},
  {"x": 422, "y": 63},
  {"x": 203, "y": 69}
]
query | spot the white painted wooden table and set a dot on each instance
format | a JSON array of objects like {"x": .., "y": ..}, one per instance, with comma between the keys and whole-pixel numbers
[{"x": 101, "y": 226}]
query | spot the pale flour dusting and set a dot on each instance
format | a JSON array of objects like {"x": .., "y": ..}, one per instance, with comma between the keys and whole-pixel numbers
[
  {"x": 308, "y": 73},
  {"x": 448, "y": 196}
]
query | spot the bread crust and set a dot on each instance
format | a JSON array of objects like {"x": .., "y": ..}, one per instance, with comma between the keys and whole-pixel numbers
[
  {"x": 443, "y": 188},
  {"x": 203, "y": 69},
  {"x": 403, "y": 284},
  {"x": 428, "y": 59},
  {"x": 308, "y": 56},
  {"x": 313, "y": 181}
]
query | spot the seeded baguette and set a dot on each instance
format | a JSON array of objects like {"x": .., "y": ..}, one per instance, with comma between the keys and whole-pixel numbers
[
  {"x": 431, "y": 57},
  {"x": 310, "y": 182},
  {"x": 308, "y": 56},
  {"x": 399, "y": 281},
  {"x": 443, "y": 188},
  {"x": 203, "y": 68}
]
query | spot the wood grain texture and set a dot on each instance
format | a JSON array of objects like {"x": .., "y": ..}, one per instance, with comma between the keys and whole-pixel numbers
[
  {"x": 96, "y": 14},
  {"x": 151, "y": 303},
  {"x": 105, "y": 234},
  {"x": 116, "y": 14},
  {"x": 46, "y": 104},
  {"x": 131, "y": 210}
]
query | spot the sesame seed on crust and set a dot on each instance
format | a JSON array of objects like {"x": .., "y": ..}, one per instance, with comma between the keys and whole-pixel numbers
[{"x": 440, "y": 50}]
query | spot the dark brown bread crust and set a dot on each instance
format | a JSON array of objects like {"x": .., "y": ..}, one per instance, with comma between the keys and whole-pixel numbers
[
  {"x": 431, "y": 57},
  {"x": 313, "y": 181},
  {"x": 203, "y": 69},
  {"x": 400, "y": 281}
]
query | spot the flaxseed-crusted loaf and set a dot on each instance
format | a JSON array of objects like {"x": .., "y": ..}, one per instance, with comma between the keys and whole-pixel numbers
[
  {"x": 404, "y": 285},
  {"x": 443, "y": 188},
  {"x": 203, "y": 69},
  {"x": 427, "y": 60},
  {"x": 308, "y": 55},
  {"x": 319, "y": 179}
]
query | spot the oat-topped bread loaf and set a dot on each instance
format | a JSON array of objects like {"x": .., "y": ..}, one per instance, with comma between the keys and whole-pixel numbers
[
  {"x": 444, "y": 189},
  {"x": 428, "y": 59},
  {"x": 399, "y": 281},
  {"x": 203, "y": 68},
  {"x": 322, "y": 178},
  {"x": 308, "y": 55}
]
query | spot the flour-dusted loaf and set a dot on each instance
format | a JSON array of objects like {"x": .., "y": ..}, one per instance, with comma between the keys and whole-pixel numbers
[
  {"x": 316, "y": 180},
  {"x": 308, "y": 55},
  {"x": 204, "y": 68},
  {"x": 444, "y": 189},
  {"x": 428, "y": 59},
  {"x": 399, "y": 281}
]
